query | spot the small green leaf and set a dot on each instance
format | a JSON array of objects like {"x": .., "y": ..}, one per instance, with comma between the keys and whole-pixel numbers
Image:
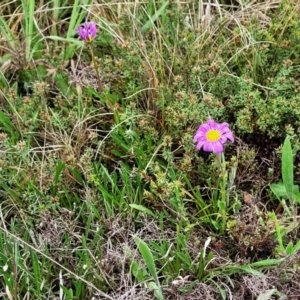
[
  {"x": 5, "y": 122},
  {"x": 157, "y": 291},
  {"x": 148, "y": 257},
  {"x": 69, "y": 52},
  {"x": 62, "y": 83},
  {"x": 279, "y": 190},
  {"x": 77, "y": 175},
  {"x": 289, "y": 248},
  {"x": 41, "y": 72},
  {"x": 296, "y": 247},
  {"x": 149, "y": 260},
  {"x": 139, "y": 273},
  {"x": 296, "y": 194}
]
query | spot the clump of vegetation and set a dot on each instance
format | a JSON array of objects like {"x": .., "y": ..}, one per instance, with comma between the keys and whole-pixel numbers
[{"x": 104, "y": 193}]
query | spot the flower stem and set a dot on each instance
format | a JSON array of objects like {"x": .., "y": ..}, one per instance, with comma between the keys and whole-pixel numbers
[
  {"x": 222, "y": 205},
  {"x": 96, "y": 67}
]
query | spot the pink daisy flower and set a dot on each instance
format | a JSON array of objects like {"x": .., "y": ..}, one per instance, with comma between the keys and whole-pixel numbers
[
  {"x": 87, "y": 32},
  {"x": 212, "y": 136}
]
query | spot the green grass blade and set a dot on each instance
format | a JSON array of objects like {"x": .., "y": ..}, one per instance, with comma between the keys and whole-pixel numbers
[
  {"x": 6, "y": 122},
  {"x": 74, "y": 16},
  {"x": 7, "y": 33},
  {"x": 28, "y": 9},
  {"x": 83, "y": 12},
  {"x": 287, "y": 167},
  {"x": 152, "y": 19},
  {"x": 76, "y": 175},
  {"x": 267, "y": 262},
  {"x": 60, "y": 166},
  {"x": 278, "y": 232},
  {"x": 142, "y": 209},
  {"x": 77, "y": 16},
  {"x": 296, "y": 247}
]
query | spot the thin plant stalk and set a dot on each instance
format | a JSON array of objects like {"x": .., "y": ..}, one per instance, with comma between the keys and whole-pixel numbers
[
  {"x": 222, "y": 203},
  {"x": 95, "y": 67}
]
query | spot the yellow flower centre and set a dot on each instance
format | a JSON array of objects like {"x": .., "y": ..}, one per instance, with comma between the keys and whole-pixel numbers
[{"x": 213, "y": 135}]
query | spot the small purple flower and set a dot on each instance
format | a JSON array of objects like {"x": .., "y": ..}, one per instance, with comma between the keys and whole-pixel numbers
[
  {"x": 87, "y": 32},
  {"x": 212, "y": 136}
]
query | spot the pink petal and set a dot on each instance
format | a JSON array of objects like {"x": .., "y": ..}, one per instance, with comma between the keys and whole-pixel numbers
[
  {"x": 224, "y": 126},
  {"x": 199, "y": 145},
  {"x": 223, "y": 139},
  {"x": 208, "y": 147},
  {"x": 199, "y": 135},
  {"x": 204, "y": 127},
  {"x": 212, "y": 124},
  {"x": 217, "y": 147},
  {"x": 229, "y": 136}
]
